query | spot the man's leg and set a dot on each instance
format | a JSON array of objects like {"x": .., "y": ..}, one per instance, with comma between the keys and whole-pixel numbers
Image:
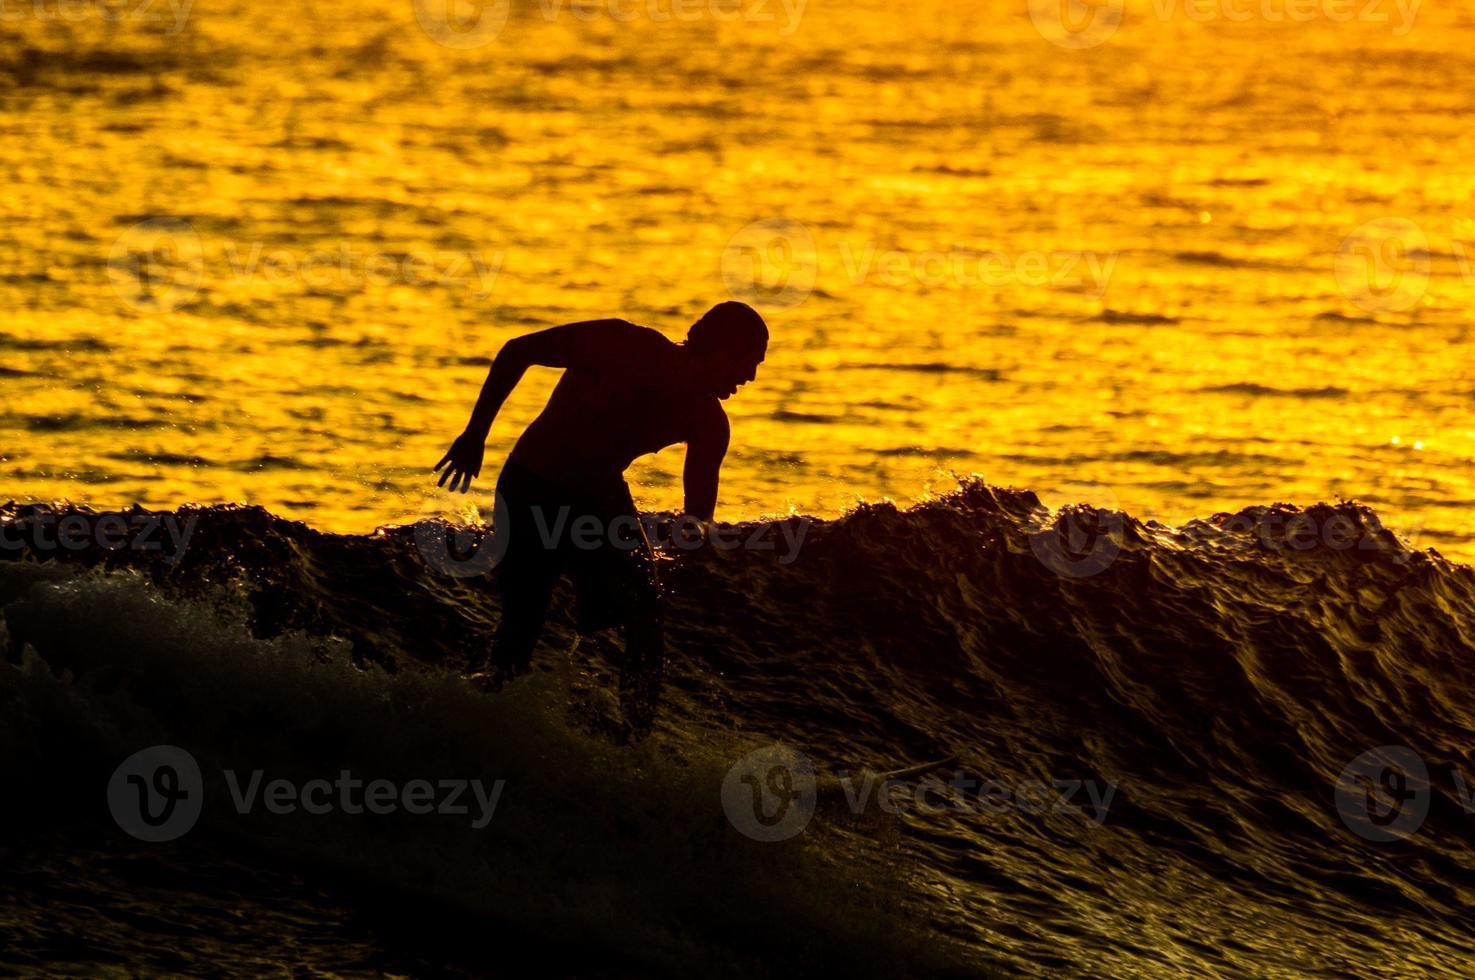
[
  {"x": 524, "y": 608},
  {"x": 644, "y": 662},
  {"x": 526, "y": 575},
  {"x": 618, "y": 585}
]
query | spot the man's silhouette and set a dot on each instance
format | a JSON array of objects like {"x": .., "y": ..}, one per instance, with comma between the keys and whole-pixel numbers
[{"x": 626, "y": 391}]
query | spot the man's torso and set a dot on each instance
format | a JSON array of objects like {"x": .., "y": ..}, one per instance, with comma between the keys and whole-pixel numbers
[{"x": 599, "y": 419}]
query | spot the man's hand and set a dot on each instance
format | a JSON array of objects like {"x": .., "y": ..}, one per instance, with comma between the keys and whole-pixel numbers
[{"x": 464, "y": 458}]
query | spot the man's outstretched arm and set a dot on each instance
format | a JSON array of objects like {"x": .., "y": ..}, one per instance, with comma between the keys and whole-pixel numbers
[
  {"x": 704, "y": 452},
  {"x": 570, "y": 345}
]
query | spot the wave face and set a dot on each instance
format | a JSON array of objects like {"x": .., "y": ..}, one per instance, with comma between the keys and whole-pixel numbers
[{"x": 1152, "y": 732}]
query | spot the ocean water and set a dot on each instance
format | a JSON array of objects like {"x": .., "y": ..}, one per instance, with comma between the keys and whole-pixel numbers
[
  {"x": 1171, "y": 741},
  {"x": 262, "y": 253},
  {"x": 1197, "y": 266}
]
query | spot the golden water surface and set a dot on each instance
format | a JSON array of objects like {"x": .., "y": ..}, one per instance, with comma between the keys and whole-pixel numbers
[{"x": 1176, "y": 258}]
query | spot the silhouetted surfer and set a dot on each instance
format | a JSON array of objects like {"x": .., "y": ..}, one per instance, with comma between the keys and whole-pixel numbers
[{"x": 626, "y": 391}]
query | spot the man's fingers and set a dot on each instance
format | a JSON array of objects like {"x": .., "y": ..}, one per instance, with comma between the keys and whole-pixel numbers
[
  {"x": 443, "y": 462},
  {"x": 460, "y": 479}
]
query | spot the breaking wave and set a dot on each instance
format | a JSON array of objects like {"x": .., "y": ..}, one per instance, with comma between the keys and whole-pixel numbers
[{"x": 1216, "y": 678}]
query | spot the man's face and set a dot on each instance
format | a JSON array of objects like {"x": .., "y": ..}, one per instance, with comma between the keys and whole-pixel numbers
[{"x": 727, "y": 371}]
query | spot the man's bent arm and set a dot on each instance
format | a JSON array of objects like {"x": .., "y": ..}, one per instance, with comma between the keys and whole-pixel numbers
[
  {"x": 567, "y": 346},
  {"x": 571, "y": 345},
  {"x": 508, "y": 367},
  {"x": 704, "y": 453}
]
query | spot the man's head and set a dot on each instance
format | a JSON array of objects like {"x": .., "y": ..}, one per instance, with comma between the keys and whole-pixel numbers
[{"x": 727, "y": 343}]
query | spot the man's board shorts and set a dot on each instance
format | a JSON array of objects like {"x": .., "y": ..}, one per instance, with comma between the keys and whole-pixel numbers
[{"x": 591, "y": 531}]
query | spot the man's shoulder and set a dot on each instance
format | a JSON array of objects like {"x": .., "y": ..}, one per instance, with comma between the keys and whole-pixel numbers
[
  {"x": 708, "y": 417},
  {"x": 631, "y": 336},
  {"x": 614, "y": 345},
  {"x": 616, "y": 324},
  {"x": 650, "y": 336}
]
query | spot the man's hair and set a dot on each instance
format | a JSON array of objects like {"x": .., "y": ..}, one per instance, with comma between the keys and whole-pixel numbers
[{"x": 730, "y": 327}]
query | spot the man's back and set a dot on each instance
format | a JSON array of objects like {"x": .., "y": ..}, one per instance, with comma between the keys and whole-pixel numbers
[{"x": 620, "y": 397}]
